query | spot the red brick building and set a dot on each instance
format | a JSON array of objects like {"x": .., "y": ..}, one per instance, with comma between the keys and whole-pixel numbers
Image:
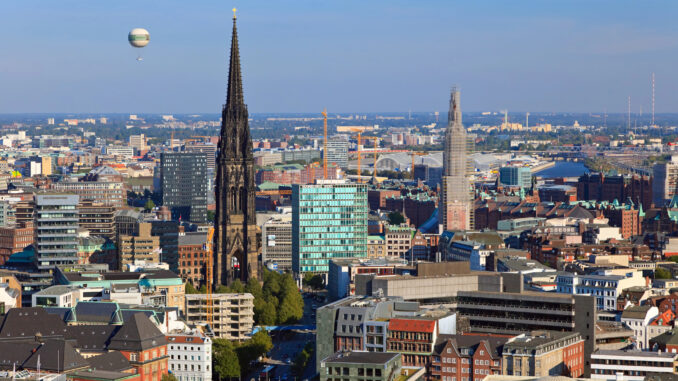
[
  {"x": 414, "y": 338},
  {"x": 192, "y": 257},
  {"x": 144, "y": 346},
  {"x": 470, "y": 357},
  {"x": 14, "y": 239}
]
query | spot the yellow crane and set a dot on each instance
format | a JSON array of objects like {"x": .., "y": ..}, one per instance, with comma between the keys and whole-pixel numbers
[
  {"x": 208, "y": 275},
  {"x": 376, "y": 145},
  {"x": 324, "y": 145}
]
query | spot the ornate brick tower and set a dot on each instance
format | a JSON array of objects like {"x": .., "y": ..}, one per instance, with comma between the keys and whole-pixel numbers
[{"x": 235, "y": 232}]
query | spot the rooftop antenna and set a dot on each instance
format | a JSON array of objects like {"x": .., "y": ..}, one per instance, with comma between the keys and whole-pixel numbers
[
  {"x": 628, "y": 121},
  {"x": 605, "y": 118},
  {"x": 652, "y": 99}
]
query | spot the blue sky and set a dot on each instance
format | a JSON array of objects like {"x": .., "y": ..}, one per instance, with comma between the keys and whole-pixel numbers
[{"x": 346, "y": 55}]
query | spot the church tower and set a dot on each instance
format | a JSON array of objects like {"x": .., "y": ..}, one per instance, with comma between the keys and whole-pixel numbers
[{"x": 236, "y": 245}]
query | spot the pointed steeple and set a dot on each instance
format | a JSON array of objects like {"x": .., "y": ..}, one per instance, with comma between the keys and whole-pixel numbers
[{"x": 234, "y": 96}]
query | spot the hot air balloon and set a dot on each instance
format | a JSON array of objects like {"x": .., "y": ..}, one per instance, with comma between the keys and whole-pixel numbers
[{"x": 138, "y": 38}]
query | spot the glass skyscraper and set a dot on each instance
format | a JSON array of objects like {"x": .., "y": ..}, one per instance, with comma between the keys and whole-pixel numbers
[{"x": 329, "y": 220}]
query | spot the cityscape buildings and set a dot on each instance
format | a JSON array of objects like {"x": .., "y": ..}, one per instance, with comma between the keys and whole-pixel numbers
[{"x": 549, "y": 252}]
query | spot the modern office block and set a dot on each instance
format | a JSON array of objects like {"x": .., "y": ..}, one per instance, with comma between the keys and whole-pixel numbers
[
  {"x": 515, "y": 176},
  {"x": 329, "y": 221},
  {"x": 183, "y": 179},
  {"x": 56, "y": 230}
]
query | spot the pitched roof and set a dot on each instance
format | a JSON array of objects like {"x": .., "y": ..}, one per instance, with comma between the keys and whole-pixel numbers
[
  {"x": 97, "y": 312},
  {"x": 56, "y": 355},
  {"x": 411, "y": 325},
  {"x": 636, "y": 312},
  {"x": 110, "y": 361},
  {"x": 94, "y": 337},
  {"x": 138, "y": 334},
  {"x": 20, "y": 323}
]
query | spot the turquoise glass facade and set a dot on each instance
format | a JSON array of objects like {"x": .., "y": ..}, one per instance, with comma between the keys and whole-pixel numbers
[{"x": 329, "y": 221}]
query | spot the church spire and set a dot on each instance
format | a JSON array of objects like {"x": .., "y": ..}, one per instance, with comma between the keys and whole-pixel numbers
[
  {"x": 234, "y": 96},
  {"x": 454, "y": 113}
]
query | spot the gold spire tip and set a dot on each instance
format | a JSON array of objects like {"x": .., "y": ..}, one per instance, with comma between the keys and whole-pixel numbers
[{"x": 234, "y": 10}]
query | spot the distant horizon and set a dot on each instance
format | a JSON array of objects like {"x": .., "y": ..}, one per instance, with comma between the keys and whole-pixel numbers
[
  {"x": 571, "y": 55},
  {"x": 342, "y": 113}
]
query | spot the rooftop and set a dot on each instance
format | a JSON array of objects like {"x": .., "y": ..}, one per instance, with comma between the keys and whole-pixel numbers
[{"x": 361, "y": 357}]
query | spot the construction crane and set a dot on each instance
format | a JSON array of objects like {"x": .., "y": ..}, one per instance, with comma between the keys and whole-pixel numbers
[
  {"x": 414, "y": 153},
  {"x": 376, "y": 142},
  {"x": 324, "y": 145},
  {"x": 209, "y": 252}
]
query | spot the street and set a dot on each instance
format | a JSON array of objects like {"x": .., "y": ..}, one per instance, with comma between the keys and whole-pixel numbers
[{"x": 288, "y": 344}]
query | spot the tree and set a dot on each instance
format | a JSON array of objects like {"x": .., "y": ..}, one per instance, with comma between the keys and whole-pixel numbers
[
  {"x": 316, "y": 282},
  {"x": 222, "y": 289},
  {"x": 190, "y": 289},
  {"x": 237, "y": 287},
  {"x": 265, "y": 314},
  {"x": 210, "y": 215},
  {"x": 291, "y": 307},
  {"x": 662, "y": 273},
  {"x": 252, "y": 349},
  {"x": 226, "y": 362},
  {"x": 395, "y": 218},
  {"x": 168, "y": 377},
  {"x": 254, "y": 288},
  {"x": 149, "y": 205}
]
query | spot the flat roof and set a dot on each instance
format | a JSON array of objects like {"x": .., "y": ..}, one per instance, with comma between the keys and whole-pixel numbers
[{"x": 361, "y": 357}]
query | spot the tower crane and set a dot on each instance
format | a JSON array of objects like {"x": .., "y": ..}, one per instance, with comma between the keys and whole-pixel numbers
[
  {"x": 376, "y": 143},
  {"x": 209, "y": 252}
]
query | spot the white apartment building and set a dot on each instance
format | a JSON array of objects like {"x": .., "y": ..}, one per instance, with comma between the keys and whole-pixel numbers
[
  {"x": 604, "y": 285},
  {"x": 190, "y": 356},
  {"x": 638, "y": 318},
  {"x": 233, "y": 314},
  {"x": 630, "y": 365}
]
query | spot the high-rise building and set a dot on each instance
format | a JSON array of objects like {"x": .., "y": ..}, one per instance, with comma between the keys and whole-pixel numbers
[
  {"x": 138, "y": 142},
  {"x": 139, "y": 247},
  {"x": 208, "y": 149},
  {"x": 183, "y": 179},
  {"x": 665, "y": 184},
  {"x": 235, "y": 236},
  {"x": 56, "y": 230},
  {"x": 337, "y": 151},
  {"x": 276, "y": 251},
  {"x": 456, "y": 193},
  {"x": 105, "y": 192},
  {"x": 97, "y": 218},
  {"x": 515, "y": 176},
  {"x": 329, "y": 221}
]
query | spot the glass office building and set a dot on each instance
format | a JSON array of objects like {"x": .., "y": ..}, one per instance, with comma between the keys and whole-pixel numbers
[
  {"x": 515, "y": 176},
  {"x": 56, "y": 230},
  {"x": 329, "y": 220}
]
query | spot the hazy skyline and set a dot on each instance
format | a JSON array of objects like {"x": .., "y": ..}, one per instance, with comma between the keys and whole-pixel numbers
[{"x": 348, "y": 56}]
